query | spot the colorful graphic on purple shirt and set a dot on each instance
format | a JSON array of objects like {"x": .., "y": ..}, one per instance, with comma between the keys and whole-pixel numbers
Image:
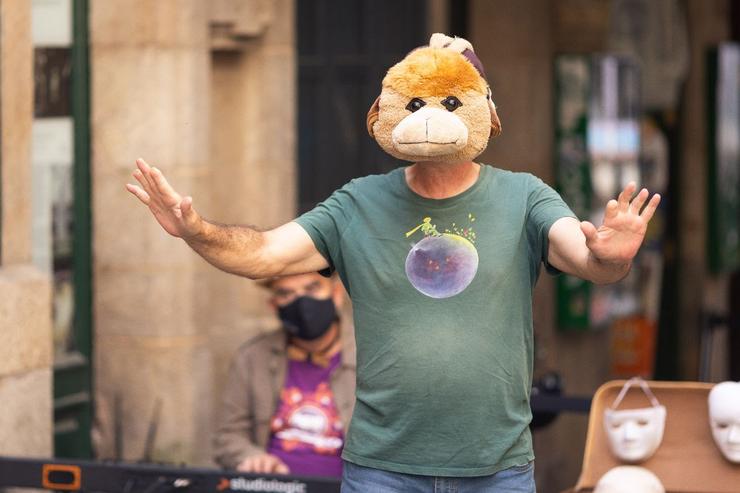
[
  {"x": 307, "y": 433},
  {"x": 442, "y": 264}
]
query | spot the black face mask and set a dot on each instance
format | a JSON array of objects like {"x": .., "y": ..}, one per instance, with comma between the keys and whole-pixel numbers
[{"x": 308, "y": 318}]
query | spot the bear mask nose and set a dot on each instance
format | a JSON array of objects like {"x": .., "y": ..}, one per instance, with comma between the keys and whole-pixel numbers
[{"x": 433, "y": 128}]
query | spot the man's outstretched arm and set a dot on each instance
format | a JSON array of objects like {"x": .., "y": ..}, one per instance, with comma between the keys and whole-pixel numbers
[
  {"x": 241, "y": 250},
  {"x": 605, "y": 254}
]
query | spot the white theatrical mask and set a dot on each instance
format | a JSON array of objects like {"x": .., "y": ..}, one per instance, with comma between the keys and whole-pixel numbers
[
  {"x": 635, "y": 434},
  {"x": 629, "y": 479},
  {"x": 724, "y": 418}
]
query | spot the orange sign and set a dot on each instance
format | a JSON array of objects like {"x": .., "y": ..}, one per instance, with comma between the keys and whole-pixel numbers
[{"x": 632, "y": 347}]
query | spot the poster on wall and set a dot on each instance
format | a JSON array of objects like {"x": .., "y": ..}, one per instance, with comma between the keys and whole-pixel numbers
[{"x": 723, "y": 245}]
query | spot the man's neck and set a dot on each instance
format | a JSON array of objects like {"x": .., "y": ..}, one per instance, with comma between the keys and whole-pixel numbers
[{"x": 436, "y": 180}]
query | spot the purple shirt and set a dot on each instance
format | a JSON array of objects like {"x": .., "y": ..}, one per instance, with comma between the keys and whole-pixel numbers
[{"x": 307, "y": 433}]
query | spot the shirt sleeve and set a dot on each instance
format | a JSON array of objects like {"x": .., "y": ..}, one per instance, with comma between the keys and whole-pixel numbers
[
  {"x": 326, "y": 223},
  {"x": 544, "y": 207}
]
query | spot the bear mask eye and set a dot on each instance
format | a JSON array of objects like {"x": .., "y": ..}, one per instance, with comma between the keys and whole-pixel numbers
[
  {"x": 415, "y": 104},
  {"x": 451, "y": 103}
]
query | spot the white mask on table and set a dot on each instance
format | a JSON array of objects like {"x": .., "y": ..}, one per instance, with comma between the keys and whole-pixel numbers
[
  {"x": 724, "y": 418},
  {"x": 635, "y": 434}
]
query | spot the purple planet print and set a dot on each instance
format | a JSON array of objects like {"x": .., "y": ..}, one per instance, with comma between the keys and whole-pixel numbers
[{"x": 442, "y": 266}]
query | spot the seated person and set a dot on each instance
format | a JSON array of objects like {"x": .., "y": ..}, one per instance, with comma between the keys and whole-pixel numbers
[{"x": 290, "y": 393}]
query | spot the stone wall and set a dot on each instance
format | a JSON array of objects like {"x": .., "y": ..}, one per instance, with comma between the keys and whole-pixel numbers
[
  {"x": 217, "y": 116},
  {"x": 25, "y": 303}
]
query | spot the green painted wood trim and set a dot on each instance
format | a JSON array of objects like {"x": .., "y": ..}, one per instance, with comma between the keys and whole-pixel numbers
[
  {"x": 82, "y": 205},
  {"x": 73, "y": 420}
]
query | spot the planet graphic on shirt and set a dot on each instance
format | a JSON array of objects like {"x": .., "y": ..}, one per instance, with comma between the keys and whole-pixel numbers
[{"x": 442, "y": 265}]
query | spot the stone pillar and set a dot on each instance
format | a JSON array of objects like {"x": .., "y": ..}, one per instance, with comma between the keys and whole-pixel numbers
[
  {"x": 16, "y": 85},
  {"x": 252, "y": 174},
  {"x": 212, "y": 105},
  {"x": 25, "y": 292},
  {"x": 149, "y": 98}
]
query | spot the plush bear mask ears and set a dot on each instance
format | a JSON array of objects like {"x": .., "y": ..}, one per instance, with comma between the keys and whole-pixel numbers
[{"x": 435, "y": 104}]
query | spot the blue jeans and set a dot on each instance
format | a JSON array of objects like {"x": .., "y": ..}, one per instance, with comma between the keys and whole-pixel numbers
[{"x": 359, "y": 479}]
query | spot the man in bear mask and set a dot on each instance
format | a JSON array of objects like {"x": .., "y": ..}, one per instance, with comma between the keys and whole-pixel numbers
[
  {"x": 289, "y": 395},
  {"x": 440, "y": 259}
]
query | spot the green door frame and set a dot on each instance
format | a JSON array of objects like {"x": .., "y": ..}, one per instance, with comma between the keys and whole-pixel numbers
[{"x": 73, "y": 398}]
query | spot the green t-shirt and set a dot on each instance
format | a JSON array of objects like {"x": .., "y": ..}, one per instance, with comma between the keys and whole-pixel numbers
[{"x": 442, "y": 298}]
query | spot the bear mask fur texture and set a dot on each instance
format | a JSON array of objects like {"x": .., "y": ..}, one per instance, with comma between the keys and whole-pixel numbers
[{"x": 434, "y": 105}]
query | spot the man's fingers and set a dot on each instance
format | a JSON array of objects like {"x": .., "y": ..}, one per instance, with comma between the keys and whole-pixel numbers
[
  {"x": 145, "y": 171},
  {"x": 268, "y": 464},
  {"x": 589, "y": 230},
  {"x": 647, "y": 214},
  {"x": 626, "y": 195},
  {"x": 142, "y": 180},
  {"x": 263, "y": 464},
  {"x": 246, "y": 465},
  {"x": 142, "y": 165},
  {"x": 155, "y": 199},
  {"x": 251, "y": 464},
  {"x": 259, "y": 464},
  {"x": 162, "y": 185},
  {"x": 636, "y": 205},
  {"x": 612, "y": 208},
  {"x": 140, "y": 194},
  {"x": 274, "y": 465}
]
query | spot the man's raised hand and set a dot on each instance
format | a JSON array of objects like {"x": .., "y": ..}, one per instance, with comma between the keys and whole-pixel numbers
[
  {"x": 619, "y": 238},
  {"x": 173, "y": 212},
  {"x": 240, "y": 250}
]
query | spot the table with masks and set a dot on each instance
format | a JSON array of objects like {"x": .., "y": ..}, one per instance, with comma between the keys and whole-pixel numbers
[{"x": 656, "y": 437}]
